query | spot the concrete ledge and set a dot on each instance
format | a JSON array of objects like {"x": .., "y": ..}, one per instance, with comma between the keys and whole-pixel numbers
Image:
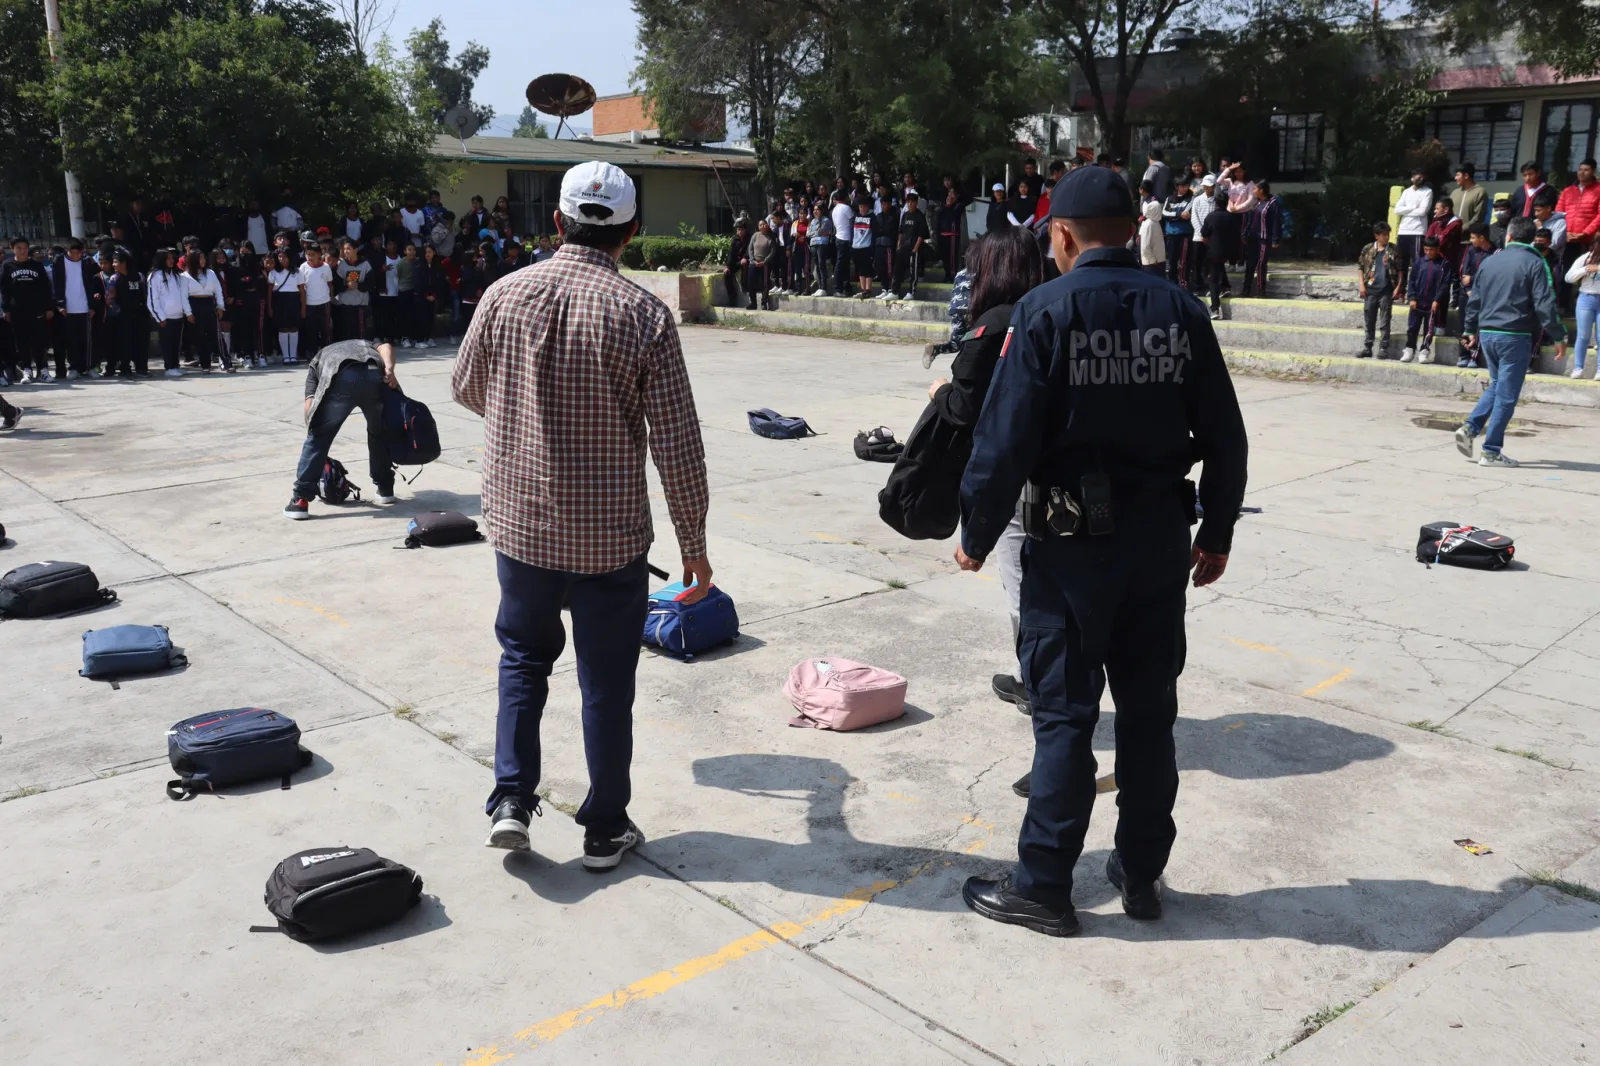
[
  {"x": 899, "y": 311},
  {"x": 1429, "y": 379},
  {"x": 909, "y": 331}
]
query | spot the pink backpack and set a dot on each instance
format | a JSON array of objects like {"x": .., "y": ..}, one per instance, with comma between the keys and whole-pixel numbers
[{"x": 844, "y": 695}]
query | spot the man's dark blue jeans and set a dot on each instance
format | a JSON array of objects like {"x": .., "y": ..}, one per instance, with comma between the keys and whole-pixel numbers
[
  {"x": 608, "y": 612},
  {"x": 357, "y": 386}
]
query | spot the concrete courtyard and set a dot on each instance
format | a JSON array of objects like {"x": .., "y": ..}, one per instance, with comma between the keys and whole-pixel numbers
[{"x": 1348, "y": 714}]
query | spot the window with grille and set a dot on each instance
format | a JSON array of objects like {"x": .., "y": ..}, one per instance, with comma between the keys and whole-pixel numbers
[
  {"x": 1566, "y": 137},
  {"x": 1299, "y": 138},
  {"x": 1485, "y": 135}
]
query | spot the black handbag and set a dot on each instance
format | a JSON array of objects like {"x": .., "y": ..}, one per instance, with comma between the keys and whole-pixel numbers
[{"x": 922, "y": 499}]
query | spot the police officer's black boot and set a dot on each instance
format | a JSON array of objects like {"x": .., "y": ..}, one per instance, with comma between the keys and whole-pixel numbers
[
  {"x": 996, "y": 901},
  {"x": 1140, "y": 901},
  {"x": 1012, "y": 691}
]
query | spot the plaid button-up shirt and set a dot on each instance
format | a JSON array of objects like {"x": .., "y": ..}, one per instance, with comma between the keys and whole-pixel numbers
[{"x": 574, "y": 369}]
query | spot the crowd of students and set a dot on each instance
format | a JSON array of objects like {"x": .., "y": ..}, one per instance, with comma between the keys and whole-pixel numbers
[{"x": 233, "y": 288}]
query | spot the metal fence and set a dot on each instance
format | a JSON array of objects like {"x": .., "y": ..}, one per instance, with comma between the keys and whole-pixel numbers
[{"x": 19, "y": 218}]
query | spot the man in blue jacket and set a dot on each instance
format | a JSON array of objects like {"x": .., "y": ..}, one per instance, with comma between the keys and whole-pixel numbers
[
  {"x": 1109, "y": 387},
  {"x": 1513, "y": 296}
]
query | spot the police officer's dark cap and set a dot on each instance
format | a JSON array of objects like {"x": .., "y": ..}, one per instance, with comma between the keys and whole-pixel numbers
[{"x": 1091, "y": 192}]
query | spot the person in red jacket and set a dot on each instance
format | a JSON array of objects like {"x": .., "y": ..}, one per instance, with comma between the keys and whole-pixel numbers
[
  {"x": 1581, "y": 205},
  {"x": 1447, "y": 228}
]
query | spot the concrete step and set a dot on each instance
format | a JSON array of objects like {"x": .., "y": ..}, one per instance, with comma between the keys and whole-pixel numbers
[
  {"x": 1324, "y": 314},
  {"x": 907, "y": 330},
  {"x": 1317, "y": 340},
  {"x": 898, "y": 311},
  {"x": 1437, "y": 379}
]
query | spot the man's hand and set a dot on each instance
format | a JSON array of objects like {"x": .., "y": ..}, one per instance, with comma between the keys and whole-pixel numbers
[
  {"x": 308, "y": 406},
  {"x": 1207, "y": 566},
  {"x": 937, "y": 382},
  {"x": 1561, "y": 349},
  {"x": 1413, "y": 305},
  {"x": 189, "y": 319},
  {"x": 1469, "y": 341},
  {"x": 1362, "y": 290},
  {"x": 967, "y": 562},
  {"x": 389, "y": 379},
  {"x": 696, "y": 578}
]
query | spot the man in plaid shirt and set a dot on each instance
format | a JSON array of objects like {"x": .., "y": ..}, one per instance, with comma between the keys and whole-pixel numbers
[{"x": 574, "y": 369}]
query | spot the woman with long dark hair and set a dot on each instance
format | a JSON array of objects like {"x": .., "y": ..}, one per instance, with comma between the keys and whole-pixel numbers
[
  {"x": 168, "y": 302},
  {"x": 1005, "y": 264},
  {"x": 247, "y": 286},
  {"x": 205, "y": 301}
]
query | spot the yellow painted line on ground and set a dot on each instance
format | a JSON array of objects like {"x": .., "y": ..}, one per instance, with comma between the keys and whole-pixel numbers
[
  {"x": 1253, "y": 646},
  {"x": 313, "y": 608},
  {"x": 1231, "y": 726},
  {"x": 1323, "y": 686},
  {"x": 541, "y": 1033},
  {"x": 748, "y": 518},
  {"x": 825, "y": 536}
]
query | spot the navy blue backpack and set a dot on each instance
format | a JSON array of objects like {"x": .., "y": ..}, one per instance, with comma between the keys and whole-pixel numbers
[
  {"x": 410, "y": 429},
  {"x": 684, "y": 630},
  {"x": 232, "y": 747},
  {"x": 766, "y": 422},
  {"x": 118, "y": 651}
]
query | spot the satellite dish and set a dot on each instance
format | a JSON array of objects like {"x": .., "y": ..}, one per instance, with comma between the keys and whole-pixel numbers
[
  {"x": 562, "y": 95},
  {"x": 463, "y": 121}
]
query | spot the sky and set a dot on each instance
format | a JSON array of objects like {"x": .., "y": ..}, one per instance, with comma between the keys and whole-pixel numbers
[{"x": 594, "y": 39}]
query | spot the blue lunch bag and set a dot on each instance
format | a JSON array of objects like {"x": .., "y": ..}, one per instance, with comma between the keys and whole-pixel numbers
[
  {"x": 118, "y": 651},
  {"x": 684, "y": 630},
  {"x": 233, "y": 747}
]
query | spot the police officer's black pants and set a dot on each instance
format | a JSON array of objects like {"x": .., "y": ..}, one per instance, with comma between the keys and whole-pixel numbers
[{"x": 1097, "y": 610}]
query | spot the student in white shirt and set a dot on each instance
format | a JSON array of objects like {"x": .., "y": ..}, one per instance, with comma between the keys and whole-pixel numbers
[
  {"x": 413, "y": 219},
  {"x": 286, "y": 217},
  {"x": 861, "y": 248},
  {"x": 316, "y": 298},
  {"x": 285, "y": 285},
  {"x": 843, "y": 221},
  {"x": 204, "y": 291},
  {"x": 168, "y": 301},
  {"x": 1415, "y": 210},
  {"x": 255, "y": 228},
  {"x": 353, "y": 222}
]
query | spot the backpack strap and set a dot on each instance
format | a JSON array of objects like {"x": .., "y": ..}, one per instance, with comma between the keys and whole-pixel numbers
[
  {"x": 183, "y": 788},
  {"x": 305, "y": 761}
]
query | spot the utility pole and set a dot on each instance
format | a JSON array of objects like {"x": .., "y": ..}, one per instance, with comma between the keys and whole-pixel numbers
[{"x": 52, "y": 24}]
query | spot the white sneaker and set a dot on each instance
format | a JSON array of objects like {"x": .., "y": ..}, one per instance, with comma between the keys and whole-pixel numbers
[
  {"x": 387, "y": 499},
  {"x": 1464, "y": 438},
  {"x": 72, "y": 375},
  {"x": 405, "y": 344},
  {"x": 1577, "y": 372},
  {"x": 1425, "y": 355},
  {"x": 173, "y": 373},
  {"x": 1408, "y": 355},
  {"x": 1496, "y": 459},
  {"x": 817, "y": 292}
]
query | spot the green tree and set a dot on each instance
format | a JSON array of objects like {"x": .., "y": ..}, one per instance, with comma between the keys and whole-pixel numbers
[
  {"x": 434, "y": 82},
  {"x": 1565, "y": 35},
  {"x": 28, "y": 145},
  {"x": 529, "y": 126},
  {"x": 228, "y": 99}
]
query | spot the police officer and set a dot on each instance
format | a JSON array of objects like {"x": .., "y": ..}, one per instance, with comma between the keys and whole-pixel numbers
[{"x": 1109, "y": 388}]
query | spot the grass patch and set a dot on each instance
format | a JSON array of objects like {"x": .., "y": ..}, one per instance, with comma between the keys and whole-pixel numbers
[
  {"x": 1311, "y": 1023},
  {"x": 728, "y": 903},
  {"x": 1548, "y": 879},
  {"x": 19, "y": 793},
  {"x": 448, "y": 738},
  {"x": 895, "y": 583},
  {"x": 484, "y": 760},
  {"x": 568, "y": 809},
  {"x": 1531, "y": 756},
  {"x": 1432, "y": 727},
  {"x": 405, "y": 711}
]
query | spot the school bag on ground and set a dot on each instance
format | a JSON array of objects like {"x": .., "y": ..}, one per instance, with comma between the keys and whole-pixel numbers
[
  {"x": 433, "y": 528},
  {"x": 119, "y": 651},
  {"x": 878, "y": 445},
  {"x": 1453, "y": 544},
  {"x": 922, "y": 498},
  {"x": 323, "y": 893},
  {"x": 765, "y": 422},
  {"x": 409, "y": 427},
  {"x": 842, "y": 694},
  {"x": 335, "y": 485},
  {"x": 41, "y": 589},
  {"x": 683, "y": 629},
  {"x": 233, "y": 747}
]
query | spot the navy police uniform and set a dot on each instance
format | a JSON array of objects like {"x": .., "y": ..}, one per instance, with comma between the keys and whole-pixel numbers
[{"x": 1112, "y": 373}]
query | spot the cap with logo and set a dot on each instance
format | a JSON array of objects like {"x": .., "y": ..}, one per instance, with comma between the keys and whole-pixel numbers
[
  {"x": 596, "y": 184},
  {"x": 1091, "y": 192}
]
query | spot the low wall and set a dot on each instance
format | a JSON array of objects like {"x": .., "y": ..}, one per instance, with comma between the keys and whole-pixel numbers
[{"x": 689, "y": 296}]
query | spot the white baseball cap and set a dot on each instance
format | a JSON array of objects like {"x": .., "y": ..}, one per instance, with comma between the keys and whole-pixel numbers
[
  {"x": 997, "y": 187},
  {"x": 1208, "y": 180},
  {"x": 599, "y": 184}
]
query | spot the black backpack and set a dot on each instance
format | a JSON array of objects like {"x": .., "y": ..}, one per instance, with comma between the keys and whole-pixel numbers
[
  {"x": 433, "y": 528},
  {"x": 336, "y": 486},
  {"x": 1453, "y": 544},
  {"x": 324, "y": 893},
  {"x": 878, "y": 445},
  {"x": 41, "y": 589},
  {"x": 922, "y": 500},
  {"x": 412, "y": 434}
]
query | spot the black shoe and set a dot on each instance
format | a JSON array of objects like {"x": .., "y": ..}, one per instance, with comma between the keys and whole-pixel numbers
[
  {"x": 13, "y": 419},
  {"x": 1022, "y": 784},
  {"x": 297, "y": 510},
  {"x": 1366, "y": 353},
  {"x": 995, "y": 901},
  {"x": 1012, "y": 691},
  {"x": 508, "y": 825},
  {"x": 1142, "y": 902},
  {"x": 602, "y": 853}
]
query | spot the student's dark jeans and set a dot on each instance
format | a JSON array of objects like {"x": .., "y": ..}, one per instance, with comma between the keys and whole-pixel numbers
[
  {"x": 357, "y": 386},
  {"x": 844, "y": 270},
  {"x": 608, "y": 612}
]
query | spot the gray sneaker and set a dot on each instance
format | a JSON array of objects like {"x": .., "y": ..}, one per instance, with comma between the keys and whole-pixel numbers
[
  {"x": 1464, "y": 439},
  {"x": 1496, "y": 459},
  {"x": 929, "y": 353}
]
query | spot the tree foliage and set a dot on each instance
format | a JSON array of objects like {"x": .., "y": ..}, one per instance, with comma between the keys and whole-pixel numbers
[
  {"x": 226, "y": 99},
  {"x": 528, "y": 125},
  {"x": 1564, "y": 35},
  {"x": 27, "y": 126},
  {"x": 434, "y": 82}
]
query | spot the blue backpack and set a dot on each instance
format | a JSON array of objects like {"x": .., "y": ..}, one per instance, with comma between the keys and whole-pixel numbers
[
  {"x": 410, "y": 429},
  {"x": 121, "y": 650},
  {"x": 684, "y": 630},
  {"x": 233, "y": 747},
  {"x": 768, "y": 423}
]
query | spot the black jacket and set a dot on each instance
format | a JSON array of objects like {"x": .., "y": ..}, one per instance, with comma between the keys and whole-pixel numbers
[
  {"x": 961, "y": 399},
  {"x": 93, "y": 288},
  {"x": 1221, "y": 231},
  {"x": 25, "y": 288},
  {"x": 885, "y": 225}
]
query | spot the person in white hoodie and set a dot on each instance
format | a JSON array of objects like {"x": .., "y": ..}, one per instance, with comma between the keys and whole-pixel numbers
[
  {"x": 168, "y": 301},
  {"x": 1152, "y": 240},
  {"x": 204, "y": 292},
  {"x": 1585, "y": 274},
  {"x": 1415, "y": 211}
]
